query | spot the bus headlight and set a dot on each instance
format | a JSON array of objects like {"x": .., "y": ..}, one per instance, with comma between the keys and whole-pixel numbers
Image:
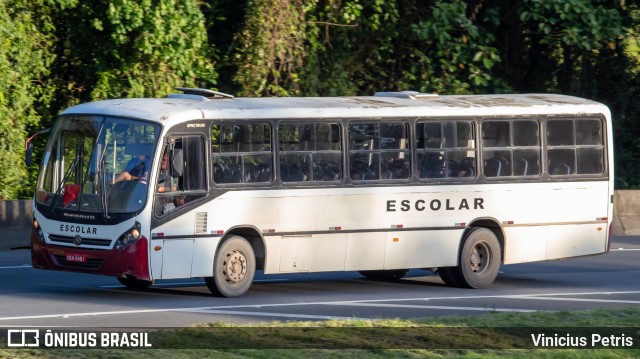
[
  {"x": 129, "y": 237},
  {"x": 38, "y": 230}
]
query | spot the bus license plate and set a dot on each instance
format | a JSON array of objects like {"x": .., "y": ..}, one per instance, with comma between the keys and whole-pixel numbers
[{"x": 76, "y": 257}]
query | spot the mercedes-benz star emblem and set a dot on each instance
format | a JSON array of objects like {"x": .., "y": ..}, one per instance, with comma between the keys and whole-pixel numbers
[{"x": 77, "y": 240}]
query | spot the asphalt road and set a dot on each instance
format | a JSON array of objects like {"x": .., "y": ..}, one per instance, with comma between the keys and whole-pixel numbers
[{"x": 35, "y": 298}]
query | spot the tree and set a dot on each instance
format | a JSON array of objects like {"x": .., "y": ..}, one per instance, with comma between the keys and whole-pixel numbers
[
  {"x": 271, "y": 48},
  {"x": 145, "y": 49},
  {"x": 25, "y": 58},
  {"x": 154, "y": 46},
  {"x": 346, "y": 47}
]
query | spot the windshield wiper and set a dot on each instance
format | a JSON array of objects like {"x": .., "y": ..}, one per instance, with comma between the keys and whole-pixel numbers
[
  {"x": 62, "y": 182},
  {"x": 103, "y": 189},
  {"x": 102, "y": 179}
]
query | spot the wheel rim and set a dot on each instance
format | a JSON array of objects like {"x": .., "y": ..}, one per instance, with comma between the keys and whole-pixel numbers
[
  {"x": 480, "y": 258},
  {"x": 234, "y": 267}
]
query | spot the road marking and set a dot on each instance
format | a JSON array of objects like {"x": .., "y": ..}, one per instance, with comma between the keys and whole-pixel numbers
[
  {"x": 17, "y": 267},
  {"x": 583, "y": 300},
  {"x": 86, "y": 314},
  {"x": 625, "y": 249},
  {"x": 271, "y": 314},
  {"x": 195, "y": 284},
  {"x": 508, "y": 296},
  {"x": 357, "y": 302},
  {"x": 477, "y": 309},
  {"x": 211, "y": 310}
]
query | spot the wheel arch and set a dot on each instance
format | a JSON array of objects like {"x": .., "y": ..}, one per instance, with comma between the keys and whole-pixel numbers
[
  {"x": 494, "y": 226},
  {"x": 255, "y": 239}
]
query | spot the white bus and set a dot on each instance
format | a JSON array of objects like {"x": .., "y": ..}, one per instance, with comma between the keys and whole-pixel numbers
[{"x": 202, "y": 184}]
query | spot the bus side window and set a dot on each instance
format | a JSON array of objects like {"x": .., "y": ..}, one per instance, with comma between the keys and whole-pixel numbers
[
  {"x": 195, "y": 164},
  {"x": 511, "y": 147},
  {"x": 575, "y": 146},
  {"x": 590, "y": 158},
  {"x": 446, "y": 149},
  {"x": 242, "y": 153},
  {"x": 174, "y": 192},
  {"x": 310, "y": 151},
  {"x": 379, "y": 151}
]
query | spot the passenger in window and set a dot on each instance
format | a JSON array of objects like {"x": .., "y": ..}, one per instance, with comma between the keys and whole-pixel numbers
[
  {"x": 164, "y": 179},
  {"x": 167, "y": 184},
  {"x": 137, "y": 169},
  {"x": 180, "y": 200},
  {"x": 174, "y": 203}
]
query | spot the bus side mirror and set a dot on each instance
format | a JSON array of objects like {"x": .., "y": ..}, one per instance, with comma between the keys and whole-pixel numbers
[
  {"x": 177, "y": 163},
  {"x": 28, "y": 146},
  {"x": 29, "y": 154}
]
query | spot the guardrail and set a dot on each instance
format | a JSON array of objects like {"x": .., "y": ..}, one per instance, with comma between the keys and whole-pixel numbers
[
  {"x": 16, "y": 216},
  {"x": 15, "y": 224},
  {"x": 626, "y": 213}
]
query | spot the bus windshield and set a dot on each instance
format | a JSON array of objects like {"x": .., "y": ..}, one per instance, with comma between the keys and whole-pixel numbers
[{"x": 97, "y": 164}]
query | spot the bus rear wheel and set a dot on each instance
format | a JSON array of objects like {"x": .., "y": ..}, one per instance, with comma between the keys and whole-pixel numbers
[
  {"x": 479, "y": 261},
  {"x": 135, "y": 283},
  {"x": 233, "y": 269},
  {"x": 391, "y": 274}
]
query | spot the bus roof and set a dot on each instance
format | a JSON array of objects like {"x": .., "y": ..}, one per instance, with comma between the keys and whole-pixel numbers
[{"x": 178, "y": 108}]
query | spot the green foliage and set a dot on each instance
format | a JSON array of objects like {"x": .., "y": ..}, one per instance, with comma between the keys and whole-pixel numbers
[
  {"x": 453, "y": 54},
  {"x": 153, "y": 45},
  {"x": 360, "y": 47},
  {"x": 333, "y": 61},
  {"x": 588, "y": 25},
  {"x": 271, "y": 49},
  {"x": 570, "y": 34},
  {"x": 24, "y": 61}
]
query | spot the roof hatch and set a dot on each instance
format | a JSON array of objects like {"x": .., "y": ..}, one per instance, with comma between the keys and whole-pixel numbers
[
  {"x": 411, "y": 95},
  {"x": 198, "y": 94}
]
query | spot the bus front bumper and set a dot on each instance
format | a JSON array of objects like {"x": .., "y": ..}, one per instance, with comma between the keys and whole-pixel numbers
[{"x": 131, "y": 261}]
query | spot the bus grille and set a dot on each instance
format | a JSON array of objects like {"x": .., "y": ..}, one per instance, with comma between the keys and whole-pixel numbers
[
  {"x": 90, "y": 264},
  {"x": 87, "y": 241}
]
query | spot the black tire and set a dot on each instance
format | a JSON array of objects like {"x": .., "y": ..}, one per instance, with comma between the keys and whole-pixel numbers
[
  {"x": 479, "y": 260},
  {"x": 233, "y": 269},
  {"x": 134, "y": 283},
  {"x": 447, "y": 276},
  {"x": 391, "y": 274}
]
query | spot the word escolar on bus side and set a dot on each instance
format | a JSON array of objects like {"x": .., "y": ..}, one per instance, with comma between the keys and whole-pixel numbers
[
  {"x": 202, "y": 184},
  {"x": 434, "y": 205}
]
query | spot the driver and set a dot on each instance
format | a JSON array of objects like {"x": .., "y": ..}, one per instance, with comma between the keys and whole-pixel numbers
[{"x": 137, "y": 169}]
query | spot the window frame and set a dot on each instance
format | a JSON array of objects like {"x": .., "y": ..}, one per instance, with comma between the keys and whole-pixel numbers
[
  {"x": 512, "y": 147},
  {"x": 604, "y": 146},
  {"x": 189, "y": 196},
  {"x": 408, "y": 124},
  {"x": 280, "y": 153},
  {"x": 473, "y": 122},
  {"x": 243, "y": 154}
]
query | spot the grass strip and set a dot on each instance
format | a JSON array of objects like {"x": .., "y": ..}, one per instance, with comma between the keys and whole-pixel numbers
[{"x": 489, "y": 335}]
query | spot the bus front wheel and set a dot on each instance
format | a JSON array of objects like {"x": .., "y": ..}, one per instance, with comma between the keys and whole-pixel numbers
[
  {"x": 233, "y": 268},
  {"x": 479, "y": 261}
]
